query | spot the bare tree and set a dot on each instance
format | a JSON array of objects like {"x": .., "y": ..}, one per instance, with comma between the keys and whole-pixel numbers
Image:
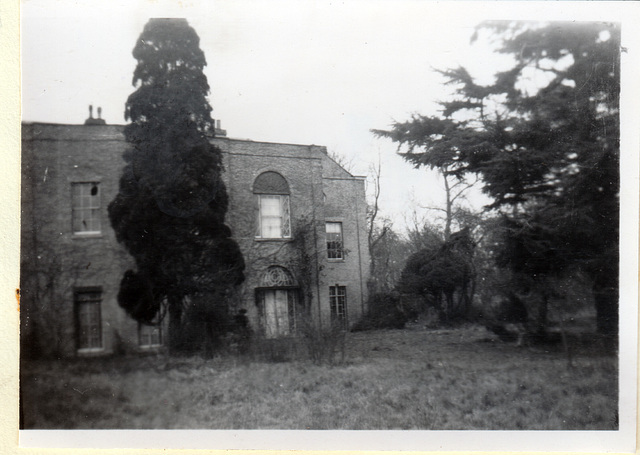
[
  {"x": 344, "y": 161},
  {"x": 456, "y": 189},
  {"x": 375, "y": 232}
]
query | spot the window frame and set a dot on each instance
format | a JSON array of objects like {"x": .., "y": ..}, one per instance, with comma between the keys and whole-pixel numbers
[
  {"x": 290, "y": 313},
  {"x": 338, "y": 301},
  {"x": 272, "y": 184},
  {"x": 276, "y": 278},
  {"x": 78, "y": 304},
  {"x": 337, "y": 251},
  {"x": 151, "y": 344},
  {"x": 284, "y": 208},
  {"x": 94, "y": 211}
]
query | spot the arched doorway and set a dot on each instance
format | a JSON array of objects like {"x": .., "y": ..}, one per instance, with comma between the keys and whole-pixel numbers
[{"x": 278, "y": 302}]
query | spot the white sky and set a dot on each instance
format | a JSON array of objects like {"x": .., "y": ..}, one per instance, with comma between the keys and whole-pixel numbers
[{"x": 315, "y": 72}]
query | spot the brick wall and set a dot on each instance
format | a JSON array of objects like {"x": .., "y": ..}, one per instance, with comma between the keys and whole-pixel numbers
[
  {"x": 345, "y": 203},
  {"x": 56, "y": 156}
]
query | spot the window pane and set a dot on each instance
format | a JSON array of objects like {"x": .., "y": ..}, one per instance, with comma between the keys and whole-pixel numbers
[
  {"x": 270, "y": 183},
  {"x": 338, "y": 303},
  {"x": 149, "y": 335},
  {"x": 334, "y": 240},
  {"x": 270, "y": 318},
  {"x": 89, "y": 319},
  {"x": 276, "y": 276},
  {"x": 274, "y": 217},
  {"x": 271, "y": 227},
  {"x": 282, "y": 311},
  {"x": 279, "y": 312},
  {"x": 334, "y": 228},
  {"x": 270, "y": 206},
  {"x": 291, "y": 302},
  {"x": 286, "y": 218},
  {"x": 85, "y": 200}
]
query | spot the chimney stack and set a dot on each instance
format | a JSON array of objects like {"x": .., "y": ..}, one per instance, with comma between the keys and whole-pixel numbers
[
  {"x": 95, "y": 121},
  {"x": 218, "y": 131}
]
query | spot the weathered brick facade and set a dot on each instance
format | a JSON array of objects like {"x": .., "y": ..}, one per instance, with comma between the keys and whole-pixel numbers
[{"x": 58, "y": 265}]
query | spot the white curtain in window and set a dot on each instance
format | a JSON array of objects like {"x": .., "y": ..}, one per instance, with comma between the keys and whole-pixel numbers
[
  {"x": 276, "y": 311},
  {"x": 271, "y": 216}
]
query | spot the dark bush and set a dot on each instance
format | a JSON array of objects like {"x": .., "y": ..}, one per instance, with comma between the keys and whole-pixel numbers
[
  {"x": 205, "y": 323},
  {"x": 385, "y": 312},
  {"x": 136, "y": 297}
]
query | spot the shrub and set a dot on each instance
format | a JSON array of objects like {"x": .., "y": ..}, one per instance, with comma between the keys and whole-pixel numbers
[
  {"x": 324, "y": 345},
  {"x": 274, "y": 350},
  {"x": 385, "y": 312},
  {"x": 321, "y": 345}
]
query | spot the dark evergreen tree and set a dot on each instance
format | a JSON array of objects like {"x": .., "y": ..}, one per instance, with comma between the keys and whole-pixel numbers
[
  {"x": 547, "y": 151},
  {"x": 443, "y": 275},
  {"x": 170, "y": 210}
]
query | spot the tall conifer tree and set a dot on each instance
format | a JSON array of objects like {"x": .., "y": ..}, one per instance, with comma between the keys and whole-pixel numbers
[{"x": 171, "y": 207}]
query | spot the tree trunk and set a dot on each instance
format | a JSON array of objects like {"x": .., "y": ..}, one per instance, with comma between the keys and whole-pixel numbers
[
  {"x": 448, "y": 306},
  {"x": 437, "y": 302},
  {"x": 541, "y": 316},
  {"x": 470, "y": 295},
  {"x": 605, "y": 290},
  {"x": 175, "y": 324},
  {"x": 606, "y": 299},
  {"x": 449, "y": 212},
  {"x": 210, "y": 339},
  {"x": 537, "y": 308}
]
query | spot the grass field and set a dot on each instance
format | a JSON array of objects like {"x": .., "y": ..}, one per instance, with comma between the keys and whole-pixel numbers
[{"x": 399, "y": 379}]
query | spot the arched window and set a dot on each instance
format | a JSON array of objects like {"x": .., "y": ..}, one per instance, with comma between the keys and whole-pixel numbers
[
  {"x": 274, "y": 219},
  {"x": 277, "y": 302},
  {"x": 276, "y": 276}
]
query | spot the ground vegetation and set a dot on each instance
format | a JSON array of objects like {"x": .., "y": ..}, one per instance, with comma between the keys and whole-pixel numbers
[{"x": 455, "y": 379}]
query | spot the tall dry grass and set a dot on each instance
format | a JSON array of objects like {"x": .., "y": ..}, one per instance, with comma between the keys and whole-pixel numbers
[{"x": 439, "y": 380}]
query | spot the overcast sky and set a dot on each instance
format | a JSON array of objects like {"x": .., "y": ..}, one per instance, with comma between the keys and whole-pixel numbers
[{"x": 320, "y": 73}]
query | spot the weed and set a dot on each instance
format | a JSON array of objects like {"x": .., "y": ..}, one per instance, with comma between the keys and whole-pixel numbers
[
  {"x": 436, "y": 380},
  {"x": 325, "y": 345},
  {"x": 276, "y": 350}
]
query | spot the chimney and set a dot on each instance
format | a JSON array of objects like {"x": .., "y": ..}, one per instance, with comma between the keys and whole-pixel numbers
[
  {"x": 95, "y": 121},
  {"x": 218, "y": 131}
]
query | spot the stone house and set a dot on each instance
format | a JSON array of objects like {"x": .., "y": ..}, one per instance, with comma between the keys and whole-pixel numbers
[{"x": 299, "y": 218}]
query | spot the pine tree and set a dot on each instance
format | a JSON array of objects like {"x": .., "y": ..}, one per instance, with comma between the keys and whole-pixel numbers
[
  {"x": 547, "y": 152},
  {"x": 170, "y": 210}
]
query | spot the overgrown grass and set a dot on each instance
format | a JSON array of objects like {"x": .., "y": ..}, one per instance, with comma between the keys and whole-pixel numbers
[{"x": 410, "y": 379}]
